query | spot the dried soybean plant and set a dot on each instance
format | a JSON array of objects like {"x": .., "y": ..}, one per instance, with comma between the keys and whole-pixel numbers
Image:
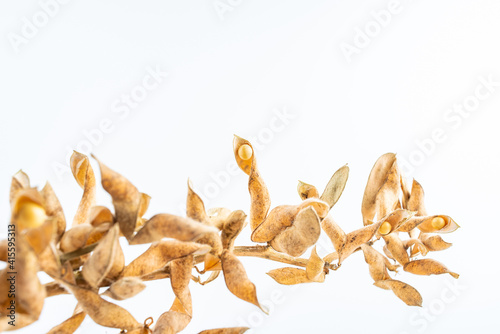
[{"x": 87, "y": 261}]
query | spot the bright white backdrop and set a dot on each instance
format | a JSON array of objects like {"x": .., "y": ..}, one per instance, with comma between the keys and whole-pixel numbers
[{"x": 315, "y": 84}]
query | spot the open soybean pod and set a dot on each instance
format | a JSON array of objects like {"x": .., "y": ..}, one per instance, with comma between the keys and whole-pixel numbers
[
  {"x": 377, "y": 178},
  {"x": 84, "y": 176},
  {"x": 437, "y": 224},
  {"x": 28, "y": 210},
  {"x": 393, "y": 221},
  {"x": 126, "y": 199},
  {"x": 260, "y": 201}
]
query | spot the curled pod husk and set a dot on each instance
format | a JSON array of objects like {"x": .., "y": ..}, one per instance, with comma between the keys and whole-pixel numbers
[
  {"x": 434, "y": 242},
  {"x": 84, "y": 176},
  {"x": 292, "y": 276},
  {"x": 403, "y": 291},
  {"x": 232, "y": 228},
  {"x": 237, "y": 280},
  {"x": 315, "y": 266},
  {"x": 100, "y": 215},
  {"x": 428, "y": 267},
  {"x": 356, "y": 238},
  {"x": 180, "y": 276},
  {"x": 334, "y": 232},
  {"x": 378, "y": 176},
  {"x": 126, "y": 199},
  {"x": 125, "y": 287},
  {"x": 218, "y": 216},
  {"x": 396, "y": 248},
  {"x": 70, "y": 325},
  {"x": 166, "y": 225},
  {"x": 195, "y": 208},
  {"x": 335, "y": 186},
  {"x": 376, "y": 263},
  {"x": 171, "y": 322},
  {"x": 303, "y": 233},
  {"x": 20, "y": 180},
  {"x": 416, "y": 200},
  {"x": 54, "y": 210},
  {"x": 416, "y": 247},
  {"x": 40, "y": 237},
  {"x": 306, "y": 190},
  {"x": 387, "y": 198}
]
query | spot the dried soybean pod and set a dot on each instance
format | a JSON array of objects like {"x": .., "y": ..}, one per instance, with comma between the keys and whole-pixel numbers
[
  {"x": 406, "y": 193},
  {"x": 166, "y": 225},
  {"x": 27, "y": 209},
  {"x": 438, "y": 224},
  {"x": 227, "y": 330},
  {"x": 237, "y": 280},
  {"x": 160, "y": 253},
  {"x": 376, "y": 263},
  {"x": 403, "y": 291},
  {"x": 394, "y": 221},
  {"x": 416, "y": 201},
  {"x": 329, "y": 258},
  {"x": 100, "y": 215},
  {"x": 434, "y": 242},
  {"x": 40, "y": 237},
  {"x": 124, "y": 288},
  {"x": 195, "y": 209},
  {"x": 70, "y": 325},
  {"x": 320, "y": 206},
  {"x": 278, "y": 219},
  {"x": 3, "y": 250},
  {"x": 335, "y": 186},
  {"x": 20, "y": 180},
  {"x": 232, "y": 228},
  {"x": 356, "y": 238},
  {"x": 171, "y": 322},
  {"x": 377, "y": 177},
  {"x": 292, "y": 276},
  {"x": 315, "y": 266},
  {"x": 180, "y": 276},
  {"x": 396, "y": 248},
  {"x": 304, "y": 233},
  {"x": 101, "y": 311},
  {"x": 104, "y": 257},
  {"x": 126, "y": 198},
  {"x": 218, "y": 216},
  {"x": 84, "y": 176},
  {"x": 428, "y": 267},
  {"x": 416, "y": 247},
  {"x": 54, "y": 209},
  {"x": 387, "y": 197},
  {"x": 334, "y": 232},
  {"x": 306, "y": 190}
]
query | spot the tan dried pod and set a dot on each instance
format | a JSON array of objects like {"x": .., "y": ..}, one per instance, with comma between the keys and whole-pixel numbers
[
  {"x": 124, "y": 288},
  {"x": 160, "y": 253},
  {"x": 20, "y": 180},
  {"x": 321, "y": 207},
  {"x": 195, "y": 209},
  {"x": 180, "y": 276},
  {"x": 388, "y": 253},
  {"x": 40, "y": 237},
  {"x": 438, "y": 224},
  {"x": 237, "y": 280},
  {"x": 227, "y": 330},
  {"x": 100, "y": 215},
  {"x": 416, "y": 200},
  {"x": 54, "y": 289},
  {"x": 306, "y": 190},
  {"x": 126, "y": 198},
  {"x": 416, "y": 247},
  {"x": 101, "y": 311},
  {"x": 54, "y": 210},
  {"x": 376, "y": 263},
  {"x": 387, "y": 198},
  {"x": 304, "y": 233},
  {"x": 292, "y": 276},
  {"x": 166, "y": 225},
  {"x": 22, "y": 320},
  {"x": 403, "y": 291},
  {"x": 70, "y": 325},
  {"x": 260, "y": 201},
  {"x": 393, "y": 221},
  {"x": 377, "y": 178},
  {"x": 334, "y": 232},
  {"x": 406, "y": 193},
  {"x": 428, "y": 267},
  {"x": 329, "y": 258},
  {"x": 356, "y": 238},
  {"x": 278, "y": 219},
  {"x": 396, "y": 248},
  {"x": 84, "y": 176},
  {"x": 232, "y": 228},
  {"x": 335, "y": 187},
  {"x": 171, "y": 322},
  {"x": 434, "y": 242},
  {"x": 315, "y": 266},
  {"x": 107, "y": 255},
  {"x": 213, "y": 276},
  {"x": 390, "y": 266},
  {"x": 27, "y": 209},
  {"x": 144, "y": 204},
  {"x": 49, "y": 261},
  {"x": 217, "y": 216}
]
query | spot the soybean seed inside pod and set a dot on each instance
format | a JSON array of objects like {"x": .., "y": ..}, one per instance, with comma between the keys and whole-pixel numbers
[
  {"x": 438, "y": 223},
  {"x": 385, "y": 228},
  {"x": 245, "y": 152},
  {"x": 31, "y": 215}
]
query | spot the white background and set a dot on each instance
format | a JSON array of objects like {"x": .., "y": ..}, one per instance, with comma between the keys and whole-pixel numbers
[{"x": 231, "y": 73}]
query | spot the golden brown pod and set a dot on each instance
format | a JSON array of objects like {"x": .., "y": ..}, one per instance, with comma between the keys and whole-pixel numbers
[
  {"x": 335, "y": 186},
  {"x": 388, "y": 195},
  {"x": 334, "y": 232},
  {"x": 84, "y": 176},
  {"x": 232, "y": 228},
  {"x": 292, "y": 276},
  {"x": 396, "y": 248},
  {"x": 428, "y": 267},
  {"x": 403, "y": 291},
  {"x": 376, "y": 263},
  {"x": 180, "y": 276},
  {"x": 315, "y": 266},
  {"x": 70, "y": 325},
  {"x": 434, "y": 242},
  {"x": 306, "y": 190},
  {"x": 28, "y": 210},
  {"x": 227, "y": 330},
  {"x": 54, "y": 210},
  {"x": 195, "y": 209},
  {"x": 124, "y": 288},
  {"x": 356, "y": 238},
  {"x": 437, "y": 224}
]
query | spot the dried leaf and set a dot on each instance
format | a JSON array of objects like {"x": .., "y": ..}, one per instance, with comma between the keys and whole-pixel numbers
[
  {"x": 304, "y": 233},
  {"x": 292, "y": 276},
  {"x": 84, "y": 176},
  {"x": 334, "y": 232},
  {"x": 428, "y": 267},
  {"x": 165, "y": 225},
  {"x": 126, "y": 199},
  {"x": 403, "y": 291},
  {"x": 335, "y": 186},
  {"x": 377, "y": 178},
  {"x": 160, "y": 253},
  {"x": 356, "y": 238},
  {"x": 315, "y": 266},
  {"x": 237, "y": 280},
  {"x": 70, "y": 325},
  {"x": 306, "y": 190},
  {"x": 227, "y": 330},
  {"x": 232, "y": 228}
]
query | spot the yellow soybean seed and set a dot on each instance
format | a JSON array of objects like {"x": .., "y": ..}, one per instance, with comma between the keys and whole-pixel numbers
[
  {"x": 245, "y": 152},
  {"x": 438, "y": 223},
  {"x": 385, "y": 228},
  {"x": 30, "y": 215}
]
